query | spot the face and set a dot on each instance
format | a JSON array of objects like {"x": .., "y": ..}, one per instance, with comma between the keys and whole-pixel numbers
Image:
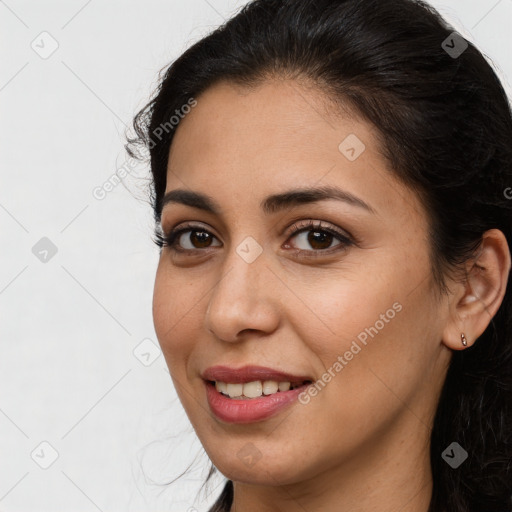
[{"x": 337, "y": 291}]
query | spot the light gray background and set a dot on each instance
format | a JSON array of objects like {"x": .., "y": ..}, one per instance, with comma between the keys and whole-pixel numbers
[{"x": 74, "y": 375}]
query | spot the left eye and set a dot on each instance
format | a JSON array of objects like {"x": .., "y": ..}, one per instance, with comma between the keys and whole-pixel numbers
[{"x": 318, "y": 237}]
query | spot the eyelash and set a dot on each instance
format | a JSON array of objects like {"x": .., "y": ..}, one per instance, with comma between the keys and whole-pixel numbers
[{"x": 170, "y": 239}]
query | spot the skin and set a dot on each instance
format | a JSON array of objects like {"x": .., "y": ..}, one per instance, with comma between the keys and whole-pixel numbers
[{"x": 363, "y": 442}]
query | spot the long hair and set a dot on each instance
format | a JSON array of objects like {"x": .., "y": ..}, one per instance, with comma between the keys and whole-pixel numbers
[{"x": 445, "y": 125}]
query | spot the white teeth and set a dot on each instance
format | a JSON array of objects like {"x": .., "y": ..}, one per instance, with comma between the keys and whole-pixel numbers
[
  {"x": 221, "y": 387},
  {"x": 234, "y": 390},
  {"x": 284, "y": 386},
  {"x": 270, "y": 387},
  {"x": 252, "y": 389}
]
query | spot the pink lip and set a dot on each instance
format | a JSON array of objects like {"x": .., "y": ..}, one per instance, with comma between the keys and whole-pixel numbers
[
  {"x": 251, "y": 409},
  {"x": 250, "y": 373}
]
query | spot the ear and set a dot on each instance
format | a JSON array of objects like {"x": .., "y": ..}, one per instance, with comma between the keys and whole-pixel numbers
[{"x": 475, "y": 301}]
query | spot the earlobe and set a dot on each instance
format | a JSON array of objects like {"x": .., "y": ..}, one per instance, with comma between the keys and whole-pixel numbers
[{"x": 482, "y": 294}]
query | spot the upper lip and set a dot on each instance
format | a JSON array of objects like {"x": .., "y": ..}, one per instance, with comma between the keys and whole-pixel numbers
[{"x": 250, "y": 373}]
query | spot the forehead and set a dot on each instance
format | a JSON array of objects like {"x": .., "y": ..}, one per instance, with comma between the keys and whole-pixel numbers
[
  {"x": 277, "y": 117},
  {"x": 241, "y": 143}
]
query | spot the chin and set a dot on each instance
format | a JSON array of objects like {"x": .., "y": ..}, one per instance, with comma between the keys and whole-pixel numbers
[{"x": 247, "y": 464}]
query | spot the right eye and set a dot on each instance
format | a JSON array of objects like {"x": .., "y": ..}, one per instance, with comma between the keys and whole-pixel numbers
[{"x": 196, "y": 238}]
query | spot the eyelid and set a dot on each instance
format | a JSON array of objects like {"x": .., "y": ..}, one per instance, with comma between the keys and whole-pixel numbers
[{"x": 299, "y": 226}]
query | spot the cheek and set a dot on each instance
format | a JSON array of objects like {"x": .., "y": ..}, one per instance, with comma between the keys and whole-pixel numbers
[
  {"x": 367, "y": 337},
  {"x": 332, "y": 310},
  {"x": 176, "y": 313}
]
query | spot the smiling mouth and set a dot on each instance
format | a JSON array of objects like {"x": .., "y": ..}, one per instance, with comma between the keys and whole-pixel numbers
[{"x": 256, "y": 388}]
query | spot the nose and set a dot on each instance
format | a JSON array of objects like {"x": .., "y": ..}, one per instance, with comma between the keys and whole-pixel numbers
[{"x": 245, "y": 298}]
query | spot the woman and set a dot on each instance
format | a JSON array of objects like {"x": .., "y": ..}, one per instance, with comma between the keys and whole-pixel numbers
[{"x": 332, "y": 298}]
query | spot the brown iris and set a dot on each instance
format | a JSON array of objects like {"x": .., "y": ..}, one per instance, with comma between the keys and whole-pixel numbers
[
  {"x": 202, "y": 238},
  {"x": 320, "y": 237}
]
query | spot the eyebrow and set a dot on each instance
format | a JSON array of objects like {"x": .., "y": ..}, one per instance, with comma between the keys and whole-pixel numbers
[{"x": 271, "y": 204}]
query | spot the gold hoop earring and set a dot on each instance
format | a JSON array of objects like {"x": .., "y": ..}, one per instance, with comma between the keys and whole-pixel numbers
[{"x": 464, "y": 340}]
